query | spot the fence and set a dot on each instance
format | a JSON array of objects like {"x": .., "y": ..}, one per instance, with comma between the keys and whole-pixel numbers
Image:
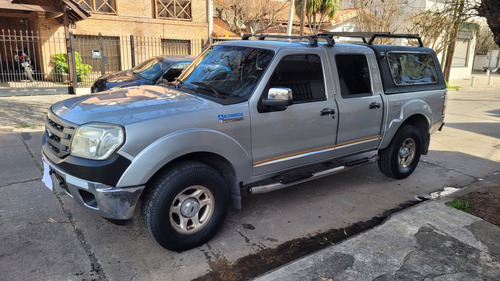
[{"x": 95, "y": 54}]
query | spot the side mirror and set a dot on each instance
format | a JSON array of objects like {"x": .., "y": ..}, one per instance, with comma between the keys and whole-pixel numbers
[{"x": 278, "y": 97}]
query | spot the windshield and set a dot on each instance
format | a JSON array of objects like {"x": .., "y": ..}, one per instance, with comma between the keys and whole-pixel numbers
[
  {"x": 148, "y": 69},
  {"x": 227, "y": 71}
]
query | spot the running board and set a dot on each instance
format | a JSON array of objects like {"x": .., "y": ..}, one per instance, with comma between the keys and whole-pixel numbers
[{"x": 298, "y": 179}]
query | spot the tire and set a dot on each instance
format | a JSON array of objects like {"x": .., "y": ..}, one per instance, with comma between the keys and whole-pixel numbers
[
  {"x": 29, "y": 73},
  {"x": 186, "y": 206},
  {"x": 402, "y": 155}
]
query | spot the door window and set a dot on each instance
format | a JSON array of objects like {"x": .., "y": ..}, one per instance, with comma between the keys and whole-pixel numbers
[
  {"x": 354, "y": 75},
  {"x": 303, "y": 74}
]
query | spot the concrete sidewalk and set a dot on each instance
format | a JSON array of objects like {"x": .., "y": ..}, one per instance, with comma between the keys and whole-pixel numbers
[
  {"x": 430, "y": 241},
  {"x": 478, "y": 80}
]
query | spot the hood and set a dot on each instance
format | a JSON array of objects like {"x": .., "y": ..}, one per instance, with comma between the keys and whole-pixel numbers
[
  {"x": 120, "y": 76},
  {"x": 130, "y": 105},
  {"x": 119, "y": 79}
]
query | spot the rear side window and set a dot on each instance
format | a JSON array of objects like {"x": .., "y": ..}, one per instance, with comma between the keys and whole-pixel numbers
[
  {"x": 354, "y": 75},
  {"x": 412, "y": 68}
]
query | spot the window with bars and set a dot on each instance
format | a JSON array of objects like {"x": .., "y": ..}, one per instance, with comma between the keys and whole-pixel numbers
[
  {"x": 173, "y": 9},
  {"x": 98, "y": 6},
  {"x": 176, "y": 47}
]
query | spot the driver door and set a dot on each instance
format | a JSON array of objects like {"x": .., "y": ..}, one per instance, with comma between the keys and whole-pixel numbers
[{"x": 298, "y": 134}]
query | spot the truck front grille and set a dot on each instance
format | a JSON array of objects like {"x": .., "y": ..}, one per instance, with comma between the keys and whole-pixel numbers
[{"x": 59, "y": 134}]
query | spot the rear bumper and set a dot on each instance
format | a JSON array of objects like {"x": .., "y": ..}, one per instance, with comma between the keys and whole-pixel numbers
[{"x": 107, "y": 201}]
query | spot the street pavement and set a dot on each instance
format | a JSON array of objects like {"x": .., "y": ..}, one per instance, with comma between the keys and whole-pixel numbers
[{"x": 47, "y": 237}]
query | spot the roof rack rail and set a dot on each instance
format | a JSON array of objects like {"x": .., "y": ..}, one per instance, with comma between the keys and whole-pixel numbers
[
  {"x": 362, "y": 35},
  {"x": 406, "y": 36},
  {"x": 313, "y": 39}
]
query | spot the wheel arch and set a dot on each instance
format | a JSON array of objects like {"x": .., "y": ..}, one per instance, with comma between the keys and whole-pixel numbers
[
  {"x": 419, "y": 121},
  {"x": 218, "y": 162}
]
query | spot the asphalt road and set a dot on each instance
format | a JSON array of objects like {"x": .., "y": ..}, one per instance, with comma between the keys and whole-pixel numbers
[{"x": 48, "y": 237}]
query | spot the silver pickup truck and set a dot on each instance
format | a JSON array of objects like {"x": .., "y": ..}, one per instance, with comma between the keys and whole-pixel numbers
[{"x": 246, "y": 116}]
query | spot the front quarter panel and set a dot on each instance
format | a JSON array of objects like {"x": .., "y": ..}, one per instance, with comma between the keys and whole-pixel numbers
[{"x": 172, "y": 146}]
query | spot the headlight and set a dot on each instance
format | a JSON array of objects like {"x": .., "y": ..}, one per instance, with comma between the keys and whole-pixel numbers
[{"x": 97, "y": 141}]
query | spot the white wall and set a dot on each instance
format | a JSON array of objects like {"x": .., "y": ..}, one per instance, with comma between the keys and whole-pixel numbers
[{"x": 489, "y": 60}]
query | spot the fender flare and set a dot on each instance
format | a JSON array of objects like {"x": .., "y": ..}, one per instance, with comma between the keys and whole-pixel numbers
[
  {"x": 409, "y": 110},
  {"x": 172, "y": 146}
]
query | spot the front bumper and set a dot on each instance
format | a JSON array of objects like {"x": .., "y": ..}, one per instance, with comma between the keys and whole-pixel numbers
[{"x": 107, "y": 201}]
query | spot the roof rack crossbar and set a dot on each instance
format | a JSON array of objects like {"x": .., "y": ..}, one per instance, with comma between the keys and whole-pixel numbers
[
  {"x": 354, "y": 34},
  {"x": 313, "y": 39},
  {"x": 406, "y": 36}
]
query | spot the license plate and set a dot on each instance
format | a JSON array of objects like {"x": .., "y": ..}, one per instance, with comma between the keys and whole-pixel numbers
[
  {"x": 47, "y": 179},
  {"x": 25, "y": 63}
]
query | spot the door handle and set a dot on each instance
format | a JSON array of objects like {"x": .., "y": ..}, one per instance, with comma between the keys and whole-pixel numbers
[
  {"x": 327, "y": 111},
  {"x": 375, "y": 105}
]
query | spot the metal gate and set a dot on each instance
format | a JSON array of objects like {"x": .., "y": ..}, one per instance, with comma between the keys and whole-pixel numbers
[
  {"x": 95, "y": 55},
  {"x": 37, "y": 49}
]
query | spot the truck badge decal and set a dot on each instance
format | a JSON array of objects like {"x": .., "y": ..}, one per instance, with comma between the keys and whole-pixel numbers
[{"x": 233, "y": 117}]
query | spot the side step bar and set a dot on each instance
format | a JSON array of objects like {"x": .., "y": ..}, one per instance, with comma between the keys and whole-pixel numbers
[{"x": 286, "y": 182}]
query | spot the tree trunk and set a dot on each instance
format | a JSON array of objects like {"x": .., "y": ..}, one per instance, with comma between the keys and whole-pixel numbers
[{"x": 490, "y": 9}]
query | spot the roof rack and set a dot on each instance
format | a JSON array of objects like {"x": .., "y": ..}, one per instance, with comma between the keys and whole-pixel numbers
[
  {"x": 362, "y": 35},
  {"x": 313, "y": 39},
  {"x": 406, "y": 36}
]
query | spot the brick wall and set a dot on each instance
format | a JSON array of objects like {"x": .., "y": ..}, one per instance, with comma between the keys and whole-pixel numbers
[{"x": 137, "y": 17}]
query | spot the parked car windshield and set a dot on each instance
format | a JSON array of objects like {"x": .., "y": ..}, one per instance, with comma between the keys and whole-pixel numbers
[
  {"x": 148, "y": 69},
  {"x": 227, "y": 71}
]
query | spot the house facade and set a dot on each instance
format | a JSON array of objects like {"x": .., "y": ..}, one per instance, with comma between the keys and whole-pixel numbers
[{"x": 122, "y": 32}]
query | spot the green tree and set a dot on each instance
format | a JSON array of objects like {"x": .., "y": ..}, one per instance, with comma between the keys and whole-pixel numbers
[{"x": 317, "y": 11}]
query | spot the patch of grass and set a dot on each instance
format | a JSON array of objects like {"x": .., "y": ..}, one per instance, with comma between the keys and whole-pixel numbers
[
  {"x": 459, "y": 205},
  {"x": 452, "y": 87}
]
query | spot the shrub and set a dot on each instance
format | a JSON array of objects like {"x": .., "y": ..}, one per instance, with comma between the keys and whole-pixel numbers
[{"x": 61, "y": 66}]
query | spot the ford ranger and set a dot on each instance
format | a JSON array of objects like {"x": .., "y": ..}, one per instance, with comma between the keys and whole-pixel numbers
[{"x": 247, "y": 115}]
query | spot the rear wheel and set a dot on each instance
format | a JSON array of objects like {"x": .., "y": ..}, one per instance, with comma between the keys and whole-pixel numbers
[
  {"x": 186, "y": 206},
  {"x": 402, "y": 155}
]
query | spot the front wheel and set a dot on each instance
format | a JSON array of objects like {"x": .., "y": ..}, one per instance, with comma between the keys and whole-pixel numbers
[
  {"x": 186, "y": 206},
  {"x": 29, "y": 73},
  {"x": 402, "y": 155}
]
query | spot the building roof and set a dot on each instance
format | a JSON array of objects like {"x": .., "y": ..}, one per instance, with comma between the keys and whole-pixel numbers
[
  {"x": 221, "y": 29},
  {"x": 52, "y": 9}
]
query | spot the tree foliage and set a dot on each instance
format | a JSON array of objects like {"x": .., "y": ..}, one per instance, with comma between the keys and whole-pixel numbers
[
  {"x": 252, "y": 17},
  {"x": 379, "y": 15},
  {"x": 431, "y": 26},
  {"x": 317, "y": 11}
]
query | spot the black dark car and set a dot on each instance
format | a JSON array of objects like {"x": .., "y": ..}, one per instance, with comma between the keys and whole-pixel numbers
[{"x": 166, "y": 67}]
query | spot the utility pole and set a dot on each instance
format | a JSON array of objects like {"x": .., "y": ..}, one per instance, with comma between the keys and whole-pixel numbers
[
  {"x": 290, "y": 19},
  {"x": 302, "y": 16}
]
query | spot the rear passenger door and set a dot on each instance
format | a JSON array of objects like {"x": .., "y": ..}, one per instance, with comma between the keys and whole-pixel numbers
[
  {"x": 360, "y": 105},
  {"x": 301, "y": 133}
]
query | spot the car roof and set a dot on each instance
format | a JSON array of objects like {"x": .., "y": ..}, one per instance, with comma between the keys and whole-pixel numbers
[{"x": 176, "y": 58}]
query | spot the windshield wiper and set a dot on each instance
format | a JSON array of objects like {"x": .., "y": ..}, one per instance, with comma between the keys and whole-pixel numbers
[{"x": 209, "y": 87}]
